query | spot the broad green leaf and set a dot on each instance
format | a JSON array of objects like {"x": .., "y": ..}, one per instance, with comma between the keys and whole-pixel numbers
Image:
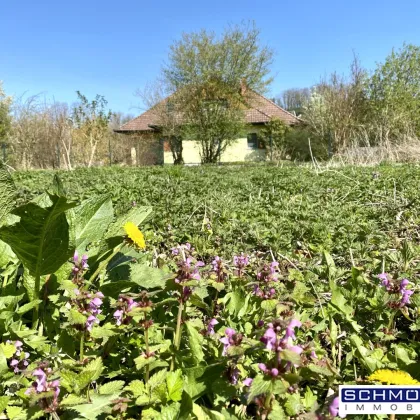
[
  {"x": 114, "y": 387},
  {"x": 174, "y": 384},
  {"x": 157, "y": 379},
  {"x": 13, "y": 411},
  {"x": 76, "y": 318},
  {"x": 136, "y": 215},
  {"x": 260, "y": 385},
  {"x": 293, "y": 404},
  {"x": 100, "y": 404},
  {"x": 6, "y": 254},
  {"x": 8, "y": 349},
  {"x": 3, "y": 403},
  {"x": 136, "y": 387},
  {"x": 277, "y": 412},
  {"x": 94, "y": 368},
  {"x": 27, "y": 307},
  {"x": 290, "y": 356},
  {"x": 41, "y": 238},
  {"x": 148, "y": 277},
  {"x": 195, "y": 340},
  {"x": 92, "y": 219},
  {"x": 7, "y": 193},
  {"x": 309, "y": 399},
  {"x": 72, "y": 400}
]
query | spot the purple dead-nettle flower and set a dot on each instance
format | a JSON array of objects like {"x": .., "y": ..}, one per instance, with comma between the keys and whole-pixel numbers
[
  {"x": 79, "y": 266},
  {"x": 269, "y": 272},
  {"x": 333, "y": 408},
  {"x": 260, "y": 323},
  {"x": 92, "y": 319},
  {"x": 247, "y": 382},
  {"x": 240, "y": 262},
  {"x": 175, "y": 251},
  {"x": 218, "y": 268},
  {"x": 232, "y": 338},
  {"x": 290, "y": 329},
  {"x": 234, "y": 375},
  {"x": 118, "y": 315},
  {"x": 274, "y": 372},
  {"x": 265, "y": 293},
  {"x": 385, "y": 281},
  {"x": 405, "y": 299},
  {"x": 270, "y": 338},
  {"x": 41, "y": 384},
  {"x": 211, "y": 325},
  {"x": 19, "y": 360},
  {"x": 262, "y": 367}
]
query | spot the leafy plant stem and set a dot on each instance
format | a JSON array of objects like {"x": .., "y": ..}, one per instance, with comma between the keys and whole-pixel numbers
[
  {"x": 82, "y": 346},
  {"x": 146, "y": 340},
  {"x": 177, "y": 335}
]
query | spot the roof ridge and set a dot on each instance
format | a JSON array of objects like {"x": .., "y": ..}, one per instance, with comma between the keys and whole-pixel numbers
[{"x": 278, "y": 106}]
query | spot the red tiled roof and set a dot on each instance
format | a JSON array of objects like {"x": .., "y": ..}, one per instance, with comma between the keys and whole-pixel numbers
[{"x": 261, "y": 110}]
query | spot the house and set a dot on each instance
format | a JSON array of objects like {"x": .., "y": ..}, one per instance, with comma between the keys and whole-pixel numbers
[{"x": 247, "y": 148}]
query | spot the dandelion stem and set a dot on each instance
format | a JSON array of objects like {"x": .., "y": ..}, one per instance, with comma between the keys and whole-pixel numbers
[{"x": 35, "y": 317}]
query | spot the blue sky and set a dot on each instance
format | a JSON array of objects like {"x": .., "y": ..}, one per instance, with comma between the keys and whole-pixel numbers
[{"x": 113, "y": 48}]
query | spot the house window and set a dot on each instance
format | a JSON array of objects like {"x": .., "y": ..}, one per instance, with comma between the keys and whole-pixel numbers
[{"x": 252, "y": 141}]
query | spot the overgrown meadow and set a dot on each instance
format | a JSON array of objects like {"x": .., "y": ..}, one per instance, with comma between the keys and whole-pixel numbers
[{"x": 205, "y": 292}]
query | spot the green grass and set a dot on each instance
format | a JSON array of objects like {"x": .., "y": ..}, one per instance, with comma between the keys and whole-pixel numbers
[{"x": 290, "y": 210}]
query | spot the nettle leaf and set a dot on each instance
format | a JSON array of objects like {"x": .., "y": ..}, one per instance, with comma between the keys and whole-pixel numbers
[
  {"x": 137, "y": 215},
  {"x": 136, "y": 387},
  {"x": 114, "y": 387},
  {"x": 260, "y": 385},
  {"x": 94, "y": 369},
  {"x": 92, "y": 217},
  {"x": 195, "y": 342},
  {"x": 143, "y": 361},
  {"x": 174, "y": 384},
  {"x": 203, "y": 413},
  {"x": 290, "y": 356},
  {"x": 8, "y": 349},
  {"x": 157, "y": 379},
  {"x": 72, "y": 400},
  {"x": 4, "y": 401},
  {"x": 293, "y": 404},
  {"x": 41, "y": 238},
  {"x": 236, "y": 301},
  {"x": 13, "y": 411},
  {"x": 76, "y": 318},
  {"x": 100, "y": 404},
  {"x": 277, "y": 412},
  {"x": 27, "y": 307},
  {"x": 148, "y": 277},
  {"x": 309, "y": 399}
]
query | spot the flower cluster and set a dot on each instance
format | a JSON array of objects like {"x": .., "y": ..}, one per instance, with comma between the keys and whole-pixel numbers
[
  {"x": 210, "y": 326},
  {"x": 126, "y": 305},
  {"x": 219, "y": 269},
  {"x": 264, "y": 292},
  {"x": 79, "y": 267},
  {"x": 269, "y": 272},
  {"x": 89, "y": 305},
  {"x": 41, "y": 385},
  {"x": 188, "y": 270},
  {"x": 399, "y": 288},
  {"x": 232, "y": 338},
  {"x": 19, "y": 361},
  {"x": 240, "y": 262}
]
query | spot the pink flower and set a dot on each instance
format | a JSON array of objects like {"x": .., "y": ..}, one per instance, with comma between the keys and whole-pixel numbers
[
  {"x": 334, "y": 407},
  {"x": 290, "y": 330},
  {"x": 247, "y": 382},
  {"x": 269, "y": 339}
]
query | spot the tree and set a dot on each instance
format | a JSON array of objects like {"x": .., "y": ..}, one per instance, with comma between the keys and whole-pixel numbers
[
  {"x": 294, "y": 99},
  {"x": 338, "y": 108},
  {"x": 91, "y": 120},
  {"x": 273, "y": 135},
  {"x": 210, "y": 79},
  {"x": 5, "y": 119},
  {"x": 395, "y": 91}
]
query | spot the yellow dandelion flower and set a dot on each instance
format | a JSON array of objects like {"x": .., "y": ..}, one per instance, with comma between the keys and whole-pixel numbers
[
  {"x": 393, "y": 377},
  {"x": 134, "y": 233}
]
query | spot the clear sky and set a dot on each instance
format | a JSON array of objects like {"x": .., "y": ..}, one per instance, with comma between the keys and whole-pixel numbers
[{"x": 113, "y": 48}]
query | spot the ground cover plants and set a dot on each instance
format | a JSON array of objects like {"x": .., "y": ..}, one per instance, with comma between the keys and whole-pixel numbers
[{"x": 205, "y": 293}]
